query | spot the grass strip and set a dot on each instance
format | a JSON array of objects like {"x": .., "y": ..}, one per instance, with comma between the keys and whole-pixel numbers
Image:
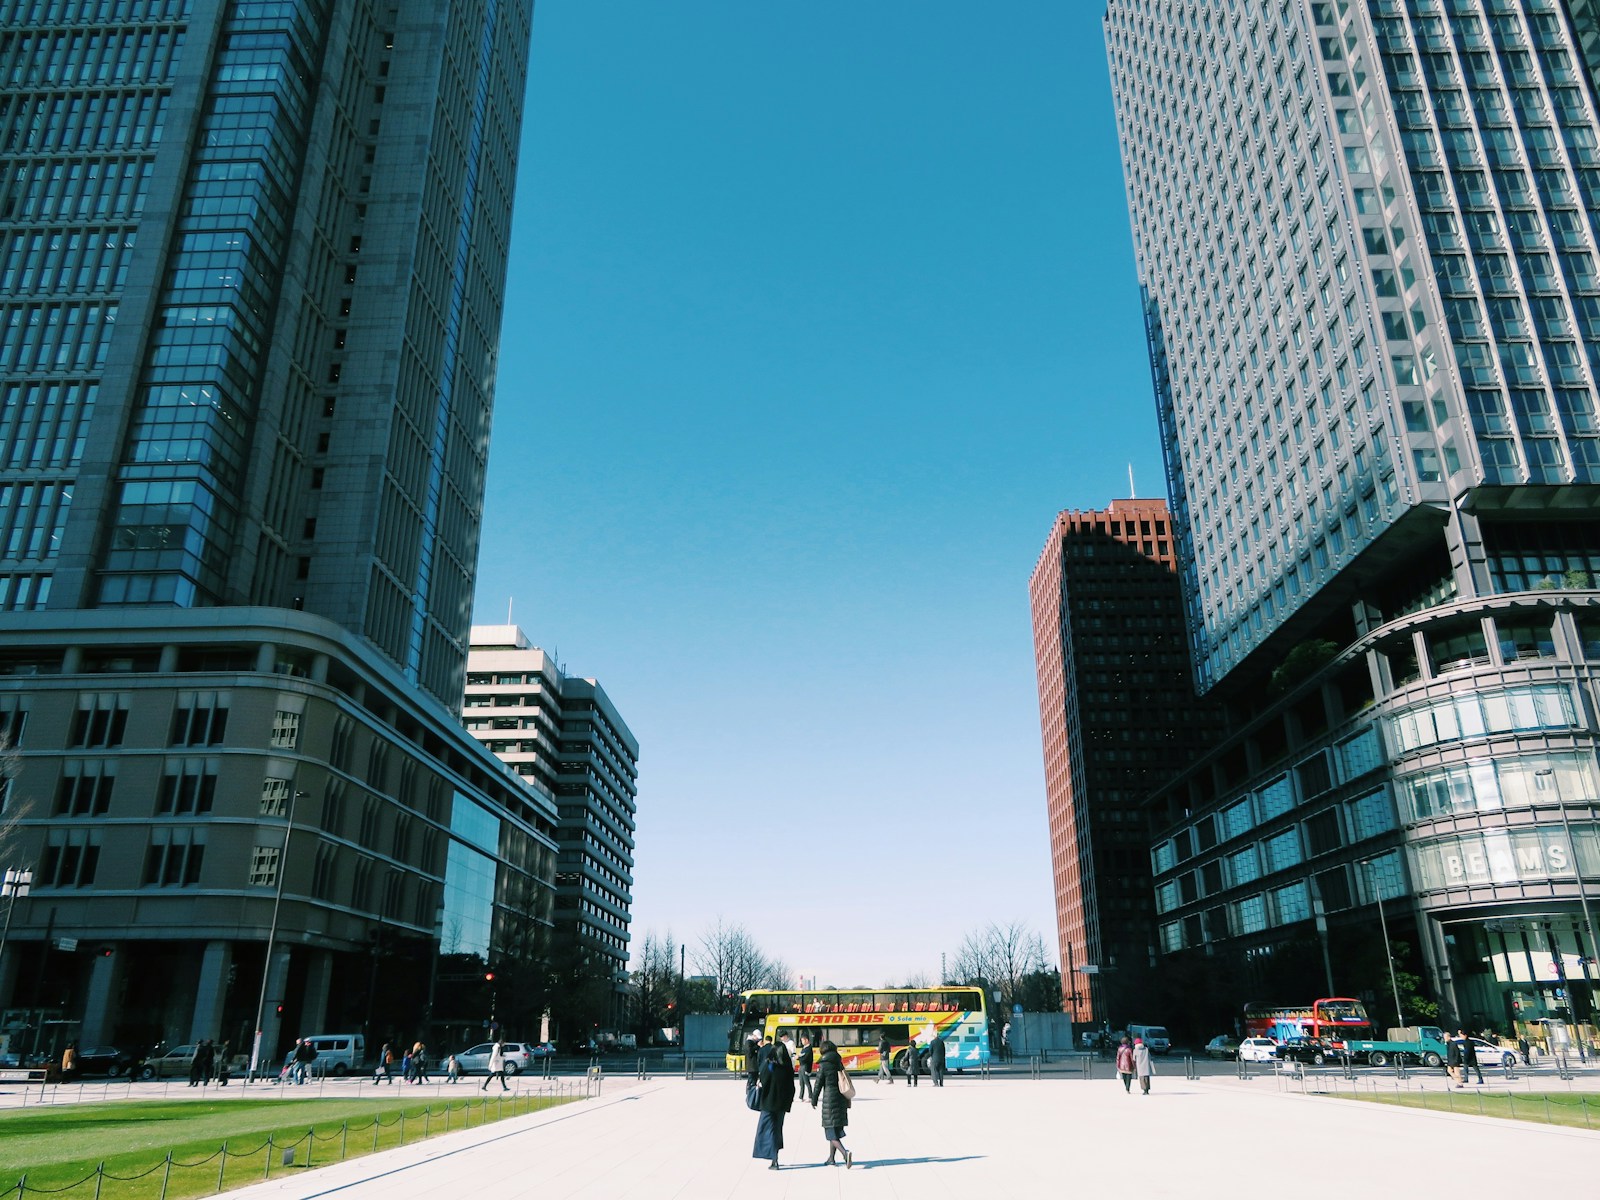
[
  {"x": 57, "y": 1148},
  {"x": 1573, "y": 1109}
]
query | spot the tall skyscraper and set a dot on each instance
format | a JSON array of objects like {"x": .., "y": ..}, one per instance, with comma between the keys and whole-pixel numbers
[
  {"x": 1118, "y": 716},
  {"x": 252, "y": 258},
  {"x": 564, "y": 736},
  {"x": 1365, "y": 234}
]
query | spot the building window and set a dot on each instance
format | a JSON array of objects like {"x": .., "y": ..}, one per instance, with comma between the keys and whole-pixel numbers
[
  {"x": 85, "y": 789},
  {"x": 1526, "y": 639},
  {"x": 12, "y": 722},
  {"x": 1371, "y": 815},
  {"x": 371, "y": 822},
  {"x": 324, "y": 871},
  {"x": 285, "y": 730},
  {"x": 70, "y": 859},
  {"x": 1250, "y": 914},
  {"x": 101, "y": 720},
  {"x": 188, "y": 786},
  {"x": 1283, "y": 851},
  {"x": 174, "y": 858},
  {"x": 264, "y": 866},
  {"x": 201, "y": 719},
  {"x": 1293, "y": 903},
  {"x": 274, "y": 797}
]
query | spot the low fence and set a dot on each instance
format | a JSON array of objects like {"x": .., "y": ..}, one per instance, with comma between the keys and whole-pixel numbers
[{"x": 230, "y": 1166}]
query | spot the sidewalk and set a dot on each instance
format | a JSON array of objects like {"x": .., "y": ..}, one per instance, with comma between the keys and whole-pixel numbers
[{"x": 674, "y": 1138}]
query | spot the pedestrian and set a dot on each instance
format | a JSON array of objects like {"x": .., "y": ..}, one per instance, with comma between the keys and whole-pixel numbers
[
  {"x": 452, "y": 1069},
  {"x": 304, "y": 1055},
  {"x": 808, "y": 1062},
  {"x": 936, "y": 1061},
  {"x": 1469, "y": 1059},
  {"x": 834, "y": 1104},
  {"x": 1125, "y": 1065},
  {"x": 287, "y": 1074},
  {"x": 384, "y": 1071},
  {"x": 1005, "y": 1042},
  {"x": 1452, "y": 1062},
  {"x": 69, "y": 1062},
  {"x": 1522, "y": 1049},
  {"x": 196, "y": 1064},
  {"x": 913, "y": 1063},
  {"x": 405, "y": 1067},
  {"x": 753, "y": 1049},
  {"x": 1141, "y": 1065},
  {"x": 223, "y": 1073},
  {"x": 885, "y": 1058},
  {"x": 419, "y": 1064},
  {"x": 497, "y": 1068},
  {"x": 775, "y": 1097},
  {"x": 205, "y": 1059}
]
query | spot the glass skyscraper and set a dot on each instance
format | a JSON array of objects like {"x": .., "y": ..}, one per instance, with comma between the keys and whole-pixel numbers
[
  {"x": 252, "y": 264},
  {"x": 1366, "y": 240}
]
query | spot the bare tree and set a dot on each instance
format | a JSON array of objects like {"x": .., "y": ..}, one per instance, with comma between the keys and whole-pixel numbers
[
  {"x": 655, "y": 974},
  {"x": 731, "y": 955},
  {"x": 1000, "y": 957}
]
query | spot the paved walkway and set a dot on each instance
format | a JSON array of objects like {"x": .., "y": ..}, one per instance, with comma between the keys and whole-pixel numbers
[{"x": 1216, "y": 1137}]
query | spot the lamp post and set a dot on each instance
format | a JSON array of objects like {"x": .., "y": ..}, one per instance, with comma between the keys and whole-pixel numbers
[
  {"x": 272, "y": 938},
  {"x": 1541, "y": 775},
  {"x": 17, "y": 884},
  {"x": 1383, "y": 924}
]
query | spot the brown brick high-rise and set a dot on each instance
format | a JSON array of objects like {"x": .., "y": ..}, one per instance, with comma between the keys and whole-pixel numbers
[{"x": 1118, "y": 715}]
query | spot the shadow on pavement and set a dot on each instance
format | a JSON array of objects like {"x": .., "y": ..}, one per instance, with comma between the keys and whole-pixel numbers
[{"x": 911, "y": 1162}]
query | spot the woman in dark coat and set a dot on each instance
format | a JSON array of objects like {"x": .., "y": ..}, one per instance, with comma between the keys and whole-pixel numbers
[
  {"x": 776, "y": 1099},
  {"x": 835, "y": 1108}
]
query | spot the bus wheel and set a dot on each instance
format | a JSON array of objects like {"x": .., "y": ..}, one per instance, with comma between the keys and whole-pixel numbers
[{"x": 1378, "y": 1058}]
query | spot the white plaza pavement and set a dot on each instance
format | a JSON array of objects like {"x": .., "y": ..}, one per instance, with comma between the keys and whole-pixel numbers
[{"x": 669, "y": 1137}]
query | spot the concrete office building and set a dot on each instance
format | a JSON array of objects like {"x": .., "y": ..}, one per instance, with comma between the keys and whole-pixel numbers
[
  {"x": 1365, "y": 236},
  {"x": 1117, "y": 715},
  {"x": 566, "y": 738},
  {"x": 251, "y": 264}
]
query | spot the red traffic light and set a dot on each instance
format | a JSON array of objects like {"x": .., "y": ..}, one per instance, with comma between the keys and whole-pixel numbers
[{"x": 488, "y": 976}]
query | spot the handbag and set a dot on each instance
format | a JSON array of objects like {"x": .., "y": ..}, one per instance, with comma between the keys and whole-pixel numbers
[
  {"x": 847, "y": 1087},
  {"x": 752, "y": 1097}
]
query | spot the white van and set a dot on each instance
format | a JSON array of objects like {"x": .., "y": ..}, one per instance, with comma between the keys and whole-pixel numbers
[
  {"x": 1155, "y": 1037},
  {"x": 339, "y": 1053}
]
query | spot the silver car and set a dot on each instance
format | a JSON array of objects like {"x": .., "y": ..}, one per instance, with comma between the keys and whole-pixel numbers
[{"x": 519, "y": 1057}]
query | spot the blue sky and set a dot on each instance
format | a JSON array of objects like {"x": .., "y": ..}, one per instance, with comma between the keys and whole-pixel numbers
[{"x": 818, "y": 312}]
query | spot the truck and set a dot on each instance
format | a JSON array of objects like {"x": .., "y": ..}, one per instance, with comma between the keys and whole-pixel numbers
[
  {"x": 1154, "y": 1036},
  {"x": 1423, "y": 1044}
]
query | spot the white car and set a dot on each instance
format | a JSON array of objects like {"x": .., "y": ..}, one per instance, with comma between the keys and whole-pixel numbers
[
  {"x": 1258, "y": 1049},
  {"x": 519, "y": 1057},
  {"x": 1490, "y": 1055}
]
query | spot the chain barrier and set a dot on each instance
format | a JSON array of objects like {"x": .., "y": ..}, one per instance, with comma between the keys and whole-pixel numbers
[{"x": 527, "y": 1102}]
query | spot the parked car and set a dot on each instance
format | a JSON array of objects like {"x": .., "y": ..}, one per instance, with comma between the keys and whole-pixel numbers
[
  {"x": 1222, "y": 1046},
  {"x": 1258, "y": 1049},
  {"x": 520, "y": 1057},
  {"x": 1307, "y": 1050},
  {"x": 542, "y": 1050},
  {"x": 1490, "y": 1055},
  {"x": 169, "y": 1064},
  {"x": 104, "y": 1060}
]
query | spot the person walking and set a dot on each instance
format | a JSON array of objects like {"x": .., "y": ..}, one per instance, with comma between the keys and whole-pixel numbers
[
  {"x": 1452, "y": 1062},
  {"x": 304, "y": 1055},
  {"x": 222, "y": 1066},
  {"x": 936, "y": 1061},
  {"x": 1469, "y": 1059},
  {"x": 834, "y": 1105},
  {"x": 419, "y": 1064},
  {"x": 808, "y": 1062},
  {"x": 405, "y": 1067},
  {"x": 452, "y": 1069},
  {"x": 913, "y": 1063},
  {"x": 384, "y": 1071},
  {"x": 1522, "y": 1049},
  {"x": 205, "y": 1059},
  {"x": 69, "y": 1062},
  {"x": 885, "y": 1058},
  {"x": 775, "y": 1097},
  {"x": 497, "y": 1068},
  {"x": 1142, "y": 1066},
  {"x": 1125, "y": 1065}
]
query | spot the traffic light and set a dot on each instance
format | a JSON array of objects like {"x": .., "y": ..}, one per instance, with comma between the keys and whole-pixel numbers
[
  {"x": 488, "y": 976},
  {"x": 280, "y": 1010}
]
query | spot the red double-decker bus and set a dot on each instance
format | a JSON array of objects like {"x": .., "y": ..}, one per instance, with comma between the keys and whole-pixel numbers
[{"x": 1330, "y": 1020}]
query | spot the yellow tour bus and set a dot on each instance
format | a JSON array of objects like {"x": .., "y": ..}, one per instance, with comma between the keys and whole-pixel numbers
[{"x": 855, "y": 1020}]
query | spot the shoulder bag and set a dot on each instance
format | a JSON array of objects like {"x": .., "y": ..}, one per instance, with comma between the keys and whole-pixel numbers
[{"x": 847, "y": 1087}]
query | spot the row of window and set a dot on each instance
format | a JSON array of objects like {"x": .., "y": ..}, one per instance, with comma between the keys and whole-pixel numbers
[{"x": 43, "y": 424}]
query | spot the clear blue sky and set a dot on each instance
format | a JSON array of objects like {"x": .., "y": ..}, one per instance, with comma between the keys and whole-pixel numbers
[{"x": 818, "y": 313}]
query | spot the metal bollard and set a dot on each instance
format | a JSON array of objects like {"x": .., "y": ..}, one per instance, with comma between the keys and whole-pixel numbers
[
  {"x": 1188, "y": 1067},
  {"x": 1033, "y": 1066}
]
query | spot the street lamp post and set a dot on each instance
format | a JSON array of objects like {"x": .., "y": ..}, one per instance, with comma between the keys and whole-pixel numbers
[
  {"x": 1383, "y": 924},
  {"x": 1543, "y": 774},
  {"x": 17, "y": 884},
  {"x": 272, "y": 938}
]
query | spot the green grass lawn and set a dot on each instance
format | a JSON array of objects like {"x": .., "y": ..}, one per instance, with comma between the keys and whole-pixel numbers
[
  {"x": 1547, "y": 1108},
  {"x": 58, "y": 1146}
]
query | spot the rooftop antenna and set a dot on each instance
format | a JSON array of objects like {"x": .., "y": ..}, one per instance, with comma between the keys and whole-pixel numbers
[
  {"x": 509, "y": 599},
  {"x": 1133, "y": 492}
]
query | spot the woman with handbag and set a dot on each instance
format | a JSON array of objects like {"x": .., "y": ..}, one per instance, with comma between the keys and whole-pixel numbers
[
  {"x": 835, "y": 1091},
  {"x": 774, "y": 1099}
]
